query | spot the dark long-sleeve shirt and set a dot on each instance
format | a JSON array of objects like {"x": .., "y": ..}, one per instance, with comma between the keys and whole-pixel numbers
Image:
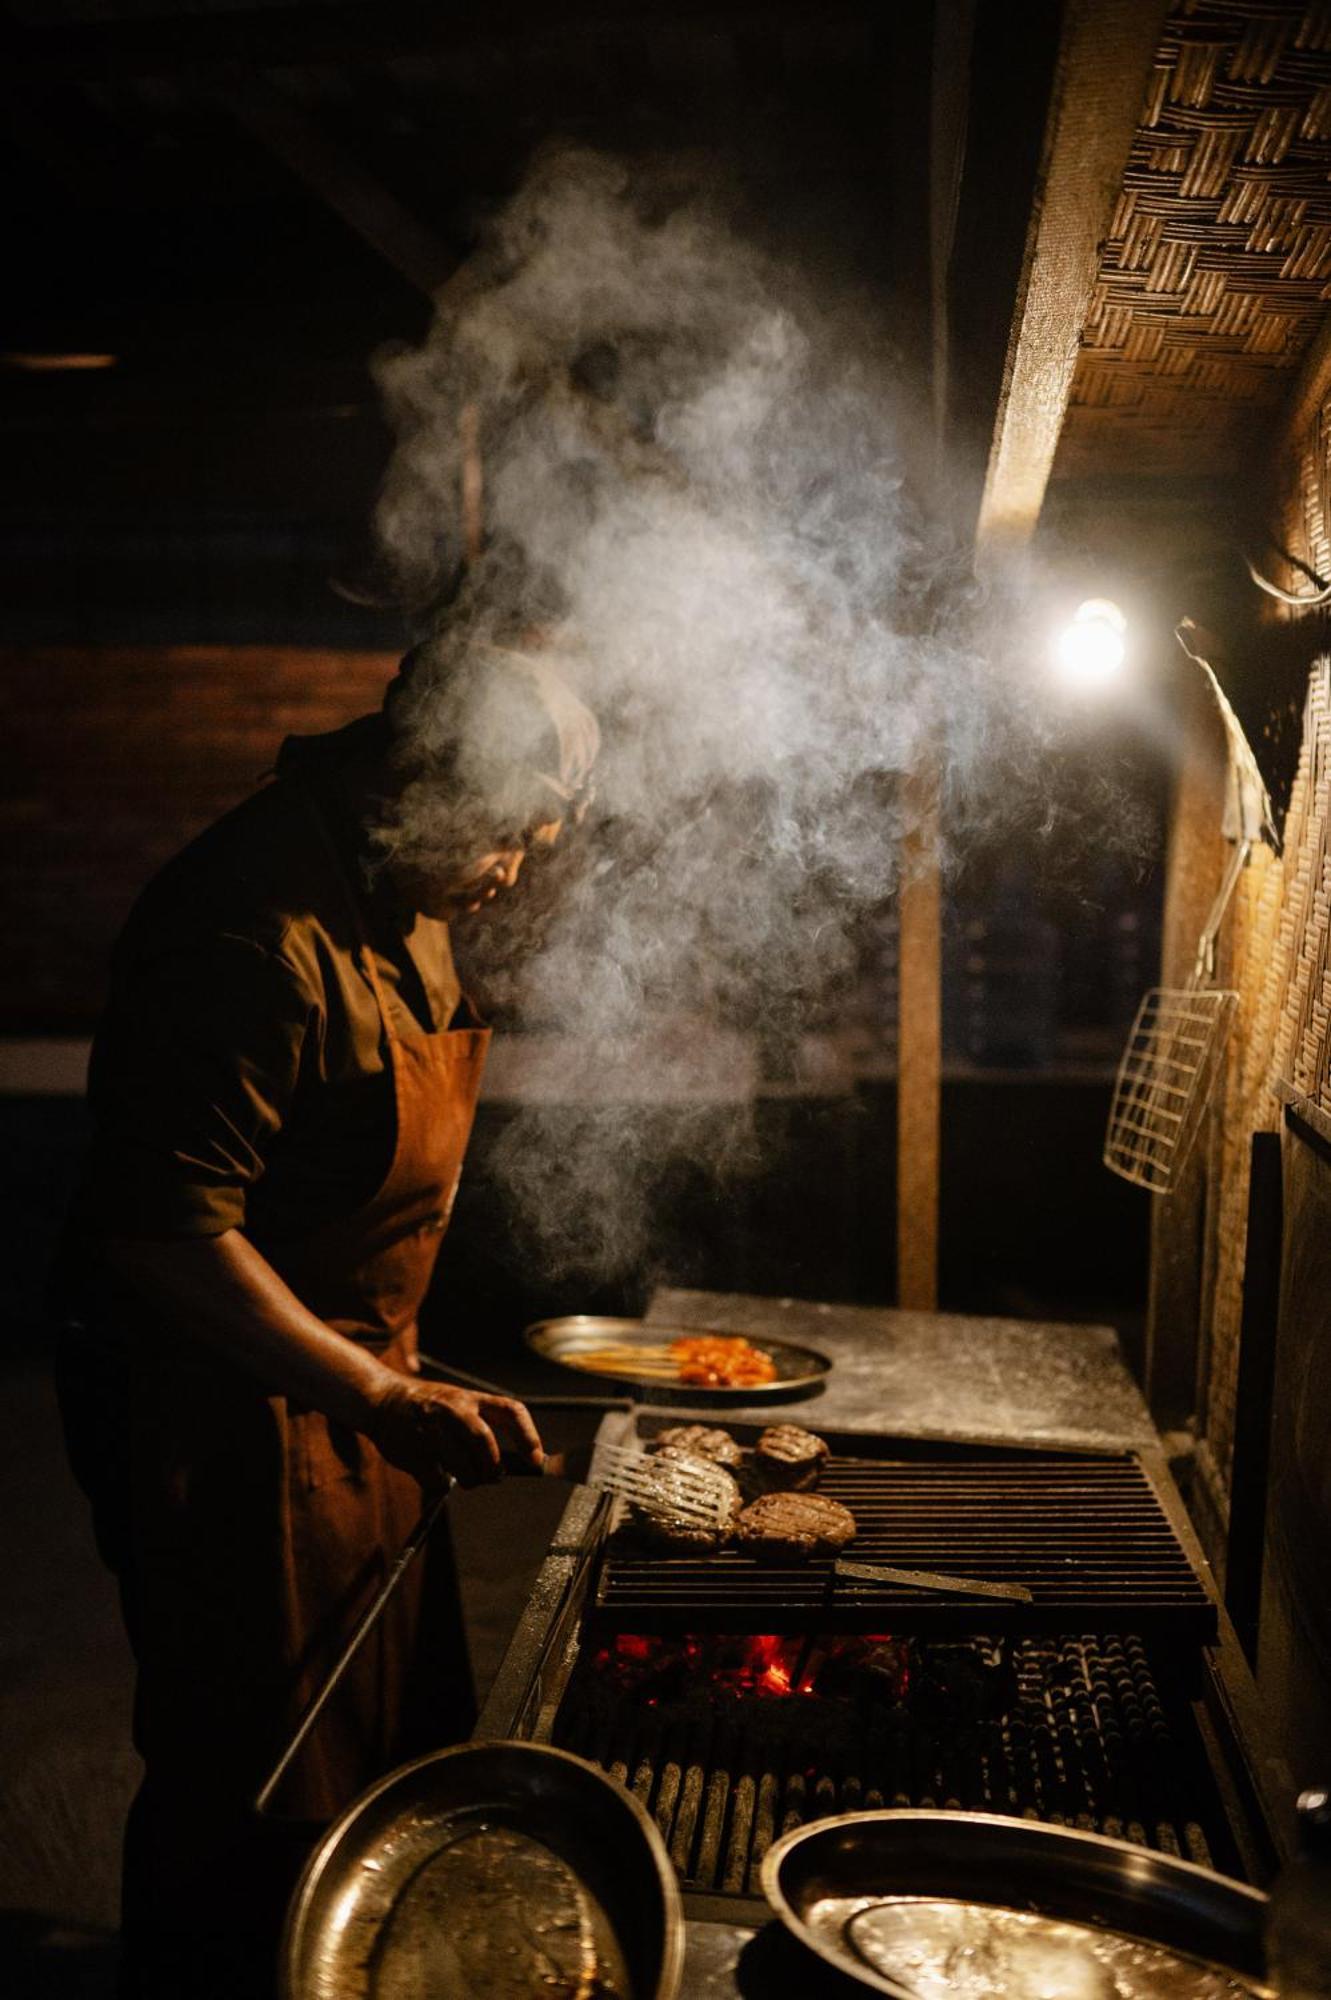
[{"x": 238, "y": 1076}]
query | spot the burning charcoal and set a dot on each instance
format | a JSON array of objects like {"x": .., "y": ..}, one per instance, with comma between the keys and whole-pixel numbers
[
  {"x": 672, "y": 1773},
  {"x": 870, "y": 1670},
  {"x": 691, "y": 1790},
  {"x": 787, "y": 1459},
  {"x": 764, "y": 1827},
  {"x": 924, "y": 1766},
  {"x": 621, "y": 1749},
  {"x": 649, "y": 1747},
  {"x": 795, "y": 1802},
  {"x": 960, "y": 1684},
  {"x": 1000, "y": 1792},
  {"x": 698, "y": 1441},
  {"x": 714, "y": 1814},
  {"x": 735, "y": 1873},
  {"x": 899, "y": 1756}
]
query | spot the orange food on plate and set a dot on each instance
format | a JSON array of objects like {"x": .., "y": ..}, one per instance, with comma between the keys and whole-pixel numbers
[{"x": 721, "y": 1361}]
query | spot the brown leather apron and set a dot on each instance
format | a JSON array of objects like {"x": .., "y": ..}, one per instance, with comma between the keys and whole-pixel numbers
[{"x": 262, "y": 1529}]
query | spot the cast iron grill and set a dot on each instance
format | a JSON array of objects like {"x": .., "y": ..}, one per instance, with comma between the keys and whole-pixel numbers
[
  {"x": 738, "y": 1701},
  {"x": 1085, "y": 1534},
  {"x": 730, "y": 1742}
]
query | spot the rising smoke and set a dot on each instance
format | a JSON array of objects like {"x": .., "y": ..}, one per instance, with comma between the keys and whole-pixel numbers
[{"x": 694, "y": 489}]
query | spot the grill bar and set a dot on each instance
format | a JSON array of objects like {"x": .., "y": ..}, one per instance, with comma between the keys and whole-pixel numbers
[{"x": 1087, "y": 1537}]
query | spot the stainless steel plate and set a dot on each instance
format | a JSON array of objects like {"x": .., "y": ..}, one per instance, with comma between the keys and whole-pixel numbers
[
  {"x": 495, "y": 1870},
  {"x": 579, "y": 1340},
  {"x": 921, "y": 1904}
]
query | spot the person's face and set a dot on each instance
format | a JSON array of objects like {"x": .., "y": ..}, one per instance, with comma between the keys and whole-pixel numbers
[{"x": 466, "y": 890}]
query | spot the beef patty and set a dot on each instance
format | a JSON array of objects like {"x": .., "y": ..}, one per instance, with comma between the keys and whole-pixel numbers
[
  {"x": 790, "y": 1527},
  {"x": 787, "y": 1460},
  {"x": 700, "y": 1442}
]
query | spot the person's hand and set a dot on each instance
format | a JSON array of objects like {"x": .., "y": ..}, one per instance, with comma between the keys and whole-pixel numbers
[{"x": 431, "y": 1430}]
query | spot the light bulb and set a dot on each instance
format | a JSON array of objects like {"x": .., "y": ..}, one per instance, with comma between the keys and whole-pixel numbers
[{"x": 1092, "y": 646}]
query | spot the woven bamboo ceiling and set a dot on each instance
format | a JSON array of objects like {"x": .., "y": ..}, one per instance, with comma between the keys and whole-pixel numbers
[{"x": 1216, "y": 273}]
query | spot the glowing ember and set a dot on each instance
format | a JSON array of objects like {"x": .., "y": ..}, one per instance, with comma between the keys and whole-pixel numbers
[{"x": 764, "y": 1663}]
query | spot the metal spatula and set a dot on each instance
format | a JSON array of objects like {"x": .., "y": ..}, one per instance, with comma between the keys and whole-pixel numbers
[{"x": 680, "y": 1488}]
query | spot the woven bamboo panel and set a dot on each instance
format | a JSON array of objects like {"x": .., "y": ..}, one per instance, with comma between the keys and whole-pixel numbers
[{"x": 1217, "y": 270}]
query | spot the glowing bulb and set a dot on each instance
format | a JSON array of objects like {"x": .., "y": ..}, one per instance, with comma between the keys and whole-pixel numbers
[{"x": 1092, "y": 645}]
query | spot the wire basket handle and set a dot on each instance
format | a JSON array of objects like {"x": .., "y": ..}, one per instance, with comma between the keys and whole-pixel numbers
[{"x": 1203, "y": 970}]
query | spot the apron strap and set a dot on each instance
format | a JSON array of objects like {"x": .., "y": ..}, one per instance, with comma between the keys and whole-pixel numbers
[{"x": 365, "y": 950}]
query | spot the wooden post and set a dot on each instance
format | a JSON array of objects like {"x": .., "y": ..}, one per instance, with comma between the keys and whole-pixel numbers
[
  {"x": 473, "y": 484},
  {"x": 919, "y": 1050},
  {"x": 928, "y": 140}
]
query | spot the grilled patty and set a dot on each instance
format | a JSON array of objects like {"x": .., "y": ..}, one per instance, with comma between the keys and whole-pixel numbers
[
  {"x": 700, "y": 1442},
  {"x": 787, "y": 1460},
  {"x": 791, "y": 1527}
]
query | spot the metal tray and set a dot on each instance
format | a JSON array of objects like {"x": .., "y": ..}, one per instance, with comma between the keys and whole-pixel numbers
[
  {"x": 496, "y": 1869},
  {"x": 799, "y": 1370},
  {"x": 975, "y": 1884}
]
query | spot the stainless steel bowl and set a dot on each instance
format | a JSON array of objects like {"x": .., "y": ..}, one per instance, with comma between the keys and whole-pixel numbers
[
  {"x": 489, "y": 1869},
  {"x": 574, "y": 1341},
  {"x": 987, "y": 1882}
]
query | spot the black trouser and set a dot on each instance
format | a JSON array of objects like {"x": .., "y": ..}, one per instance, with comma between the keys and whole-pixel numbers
[{"x": 206, "y": 1882}]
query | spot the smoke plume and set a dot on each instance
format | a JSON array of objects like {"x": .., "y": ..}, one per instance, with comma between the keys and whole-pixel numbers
[{"x": 694, "y": 490}]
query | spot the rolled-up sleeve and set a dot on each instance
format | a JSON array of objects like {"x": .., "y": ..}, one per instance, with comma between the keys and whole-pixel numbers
[{"x": 192, "y": 1077}]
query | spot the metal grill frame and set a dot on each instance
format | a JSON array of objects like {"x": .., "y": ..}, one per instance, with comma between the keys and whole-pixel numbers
[
  {"x": 526, "y": 1694},
  {"x": 1086, "y": 1733},
  {"x": 1085, "y": 1530}
]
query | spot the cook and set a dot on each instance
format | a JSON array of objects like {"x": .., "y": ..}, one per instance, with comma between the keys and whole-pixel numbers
[{"x": 282, "y": 1090}]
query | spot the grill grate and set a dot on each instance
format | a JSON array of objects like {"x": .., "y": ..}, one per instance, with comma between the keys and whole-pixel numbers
[
  {"x": 1087, "y": 1536},
  {"x": 1068, "y": 1729}
]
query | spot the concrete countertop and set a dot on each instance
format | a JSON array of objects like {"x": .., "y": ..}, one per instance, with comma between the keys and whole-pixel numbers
[{"x": 944, "y": 1375}]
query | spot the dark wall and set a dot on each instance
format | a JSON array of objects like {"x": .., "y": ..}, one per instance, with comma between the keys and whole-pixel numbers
[
  {"x": 116, "y": 756},
  {"x": 1032, "y": 1225}
]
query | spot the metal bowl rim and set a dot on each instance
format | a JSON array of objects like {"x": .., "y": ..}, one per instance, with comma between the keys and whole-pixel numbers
[
  {"x": 673, "y": 1941},
  {"x": 1057, "y": 1838}
]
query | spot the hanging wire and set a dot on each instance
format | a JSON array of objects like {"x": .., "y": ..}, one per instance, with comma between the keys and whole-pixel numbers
[{"x": 1304, "y": 603}]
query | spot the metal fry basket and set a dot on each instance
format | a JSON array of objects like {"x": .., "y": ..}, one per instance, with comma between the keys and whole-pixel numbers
[
  {"x": 1164, "y": 1083},
  {"x": 1176, "y": 1045},
  {"x": 1172, "y": 1059}
]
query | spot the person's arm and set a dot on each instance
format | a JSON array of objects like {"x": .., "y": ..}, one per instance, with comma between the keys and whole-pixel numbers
[{"x": 222, "y": 1290}]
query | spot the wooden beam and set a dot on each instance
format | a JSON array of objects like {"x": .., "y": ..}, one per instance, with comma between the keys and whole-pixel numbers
[
  {"x": 328, "y": 37},
  {"x": 1105, "y": 57},
  {"x": 954, "y": 32},
  {"x": 376, "y": 216},
  {"x": 919, "y": 1050},
  {"x": 944, "y": 55}
]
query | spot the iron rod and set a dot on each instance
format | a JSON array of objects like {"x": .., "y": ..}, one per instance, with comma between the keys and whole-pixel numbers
[{"x": 370, "y": 1617}]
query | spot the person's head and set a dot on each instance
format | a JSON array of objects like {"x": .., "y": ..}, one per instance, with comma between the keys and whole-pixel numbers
[{"x": 490, "y": 759}]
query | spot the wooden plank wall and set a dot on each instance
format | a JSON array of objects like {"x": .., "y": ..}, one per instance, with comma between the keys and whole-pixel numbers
[{"x": 114, "y": 758}]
